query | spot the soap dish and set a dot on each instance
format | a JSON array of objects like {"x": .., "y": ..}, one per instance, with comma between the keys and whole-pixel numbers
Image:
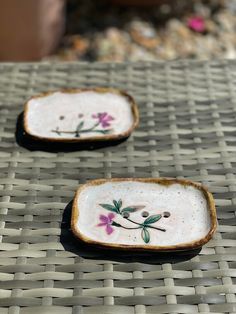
[
  {"x": 144, "y": 214},
  {"x": 81, "y": 115}
]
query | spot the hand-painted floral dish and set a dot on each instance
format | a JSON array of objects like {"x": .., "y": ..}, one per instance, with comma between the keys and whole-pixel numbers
[
  {"x": 144, "y": 214},
  {"x": 81, "y": 115}
]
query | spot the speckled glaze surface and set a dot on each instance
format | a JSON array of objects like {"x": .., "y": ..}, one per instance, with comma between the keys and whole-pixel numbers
[
  {"x": 163, "y": 214},
  {"x": 80, "y": 115}
]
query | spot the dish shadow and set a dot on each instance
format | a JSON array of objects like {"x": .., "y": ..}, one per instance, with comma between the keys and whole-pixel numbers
[
  {"x": 85, "y": 250},
  {"x": 28, "y": 142}
]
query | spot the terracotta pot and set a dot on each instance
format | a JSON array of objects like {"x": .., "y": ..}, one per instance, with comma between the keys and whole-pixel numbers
[{"x": 30, "y": 29}]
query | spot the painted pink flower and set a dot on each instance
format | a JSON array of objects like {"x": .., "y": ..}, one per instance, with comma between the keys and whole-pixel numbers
[
  {"x": 106, "y": 221},
  {"x": 197, "y": 24},
  {"x": 103, "y": 118}
]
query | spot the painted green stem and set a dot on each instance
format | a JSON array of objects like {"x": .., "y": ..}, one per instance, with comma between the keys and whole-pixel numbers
[
  {"x": 131, "y": 228},
  {"x": 82, "y": 131},
  {"x": 77, "y": 133},
  {"x": 160, "y": 229},
  {"x": 147, "y": 226}
]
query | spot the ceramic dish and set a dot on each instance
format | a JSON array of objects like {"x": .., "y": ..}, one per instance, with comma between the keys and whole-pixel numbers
[
  {"x": 144, "y": 214},
  {"x": 80, "y": 115}
]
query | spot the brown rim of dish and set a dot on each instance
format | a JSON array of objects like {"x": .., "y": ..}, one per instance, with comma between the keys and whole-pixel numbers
[
  {"x": 164, "y": 181},
  {"x": 110, "y": 137}
]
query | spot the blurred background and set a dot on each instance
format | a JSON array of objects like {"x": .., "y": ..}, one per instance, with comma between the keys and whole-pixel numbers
[{"x": 117, "y": 30}]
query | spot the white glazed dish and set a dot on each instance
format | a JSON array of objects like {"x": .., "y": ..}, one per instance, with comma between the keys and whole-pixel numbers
[
  {"x": 144, "y": 214},
  {"x": 80, "y": 115}
]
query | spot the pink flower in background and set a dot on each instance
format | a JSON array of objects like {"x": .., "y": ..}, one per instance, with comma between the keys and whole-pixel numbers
[
  {"x": 197, "y": 24},
  {"x": 103, "y": 118},
  {"x": 106, "y": 221}
]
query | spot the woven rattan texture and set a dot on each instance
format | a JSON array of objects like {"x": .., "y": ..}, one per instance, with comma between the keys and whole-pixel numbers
[{"x": 187, "y": 129}]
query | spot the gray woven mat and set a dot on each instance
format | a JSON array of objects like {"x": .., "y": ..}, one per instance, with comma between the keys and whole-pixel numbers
[{"x": 187, "y": 129}]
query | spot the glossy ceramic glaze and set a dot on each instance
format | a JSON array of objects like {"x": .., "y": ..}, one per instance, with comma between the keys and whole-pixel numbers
[
  {"x": 137, "y": 213},
  {"x": 80, "y": 115}
]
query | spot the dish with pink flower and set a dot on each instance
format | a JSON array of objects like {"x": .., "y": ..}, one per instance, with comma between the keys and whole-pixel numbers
[
  {"x": 77, "y": 115},
  {"x": 147, "y": 214}
]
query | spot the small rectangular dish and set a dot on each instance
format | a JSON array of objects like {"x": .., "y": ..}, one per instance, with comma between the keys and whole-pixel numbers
[
  {"x": 144, "y": 214},
  {"x": 80, "y": 115}
]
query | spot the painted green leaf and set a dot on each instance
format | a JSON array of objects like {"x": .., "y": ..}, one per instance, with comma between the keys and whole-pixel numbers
[
  {"x": 80, "y": 125},
  {"x": 117, "y": 204},
  {"x": 120, "y": 203},
  {"x": 116, "y": 224},
  {"x": 129, "y": 209},
  {"x": 151, "y": 219},
  {"x": 105, "y": 131},
  {"x": 145, "y": 235},
  {"x": 109, "y": 207},
  {"x": 78, "y": 129},
  {"x": 57, "y": 131}
]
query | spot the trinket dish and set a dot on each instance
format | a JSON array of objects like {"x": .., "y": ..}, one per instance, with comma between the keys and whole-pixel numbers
[
  {"x": 144, "y": 214},
  {"x": 81, "y": 115}
]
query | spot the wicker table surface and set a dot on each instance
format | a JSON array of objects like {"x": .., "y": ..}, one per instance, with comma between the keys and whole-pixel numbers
[{"x": 187, "y": 129}]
